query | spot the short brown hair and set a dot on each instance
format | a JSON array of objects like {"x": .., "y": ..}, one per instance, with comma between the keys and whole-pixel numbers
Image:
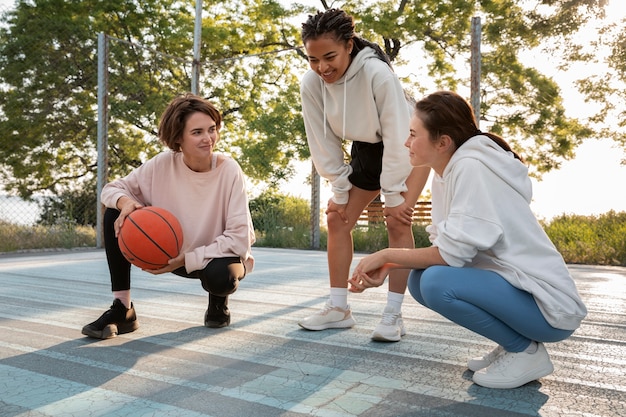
[{"x": 175, "y": 116}]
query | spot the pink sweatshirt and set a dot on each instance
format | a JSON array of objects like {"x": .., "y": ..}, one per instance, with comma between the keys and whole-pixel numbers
[{"x": 212, "y": 207}]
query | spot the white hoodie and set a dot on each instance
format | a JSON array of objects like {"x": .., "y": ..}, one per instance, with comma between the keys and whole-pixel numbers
[
  {"x": 367, "y": 105},
  {"x": 482, "y": 219}
]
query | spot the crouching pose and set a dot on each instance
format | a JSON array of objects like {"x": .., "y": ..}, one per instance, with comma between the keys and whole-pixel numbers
[
  {"x": 491, "y": 267},
  {"x": 206, "y": 191}
]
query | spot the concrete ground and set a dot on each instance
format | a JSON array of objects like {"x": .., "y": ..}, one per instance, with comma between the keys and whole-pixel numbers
[{"x": 264, "y": 364}]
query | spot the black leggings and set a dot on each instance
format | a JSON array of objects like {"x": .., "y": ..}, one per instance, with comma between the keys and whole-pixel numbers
[{"x": 220, "y": 277}]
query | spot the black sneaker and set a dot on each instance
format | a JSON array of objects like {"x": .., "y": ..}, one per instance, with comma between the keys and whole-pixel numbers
[
  {"x": 117, "y": 320},
  {"x": 218, "y": 314}
]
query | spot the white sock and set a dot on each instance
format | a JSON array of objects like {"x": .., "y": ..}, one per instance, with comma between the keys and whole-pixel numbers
[
  {"x": 394, "y": 300},
  {"x": 339, "y": 297},
  {"x": 532, "y": 348},
  {"x": 123, "y": 296}
]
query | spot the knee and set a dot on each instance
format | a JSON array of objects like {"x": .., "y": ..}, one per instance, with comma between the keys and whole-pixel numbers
[
  {"x": 413, "y": 284},
  {"x": 220, "y": 287},
  {"x": 395, "y": 228},
  {"x": 433, "y": 287},
  {"x": 336, "y": 224},
  {"x": 399, "y": 232},
  {"x": 425, "y": 285},
  {"x": 221, "y": 276}
]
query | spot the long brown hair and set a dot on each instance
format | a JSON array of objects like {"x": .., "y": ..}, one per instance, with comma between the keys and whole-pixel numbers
[{"x": 447, "y": 113}]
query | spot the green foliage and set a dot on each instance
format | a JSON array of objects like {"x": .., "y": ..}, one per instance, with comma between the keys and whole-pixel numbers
[
  {"x": 517, "y": 101},
  {"x": 370, "y": 239},
  {"x": 373, "y": 238},
  {"x": 48, "y": 80},
  {"x": 76, "y": 206},
  {"x": 595, "y": 240},
  {"x": 48, "y": 77},
  {"x": 280, "y": 220}
]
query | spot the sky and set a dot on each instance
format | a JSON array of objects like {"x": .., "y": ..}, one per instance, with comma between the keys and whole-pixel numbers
[{"x": 590, "y": 184}]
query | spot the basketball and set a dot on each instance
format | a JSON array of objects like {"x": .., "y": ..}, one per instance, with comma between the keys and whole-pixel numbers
[{"x": 149, "y": 237}]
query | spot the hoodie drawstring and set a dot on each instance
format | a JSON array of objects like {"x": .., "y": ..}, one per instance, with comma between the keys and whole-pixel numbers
[{"x": 345, "y": 99}]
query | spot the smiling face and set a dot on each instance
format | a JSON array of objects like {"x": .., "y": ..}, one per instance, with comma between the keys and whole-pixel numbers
[
  {"x": 198, "y": 139},
  {"x": 328, "y": 57}
]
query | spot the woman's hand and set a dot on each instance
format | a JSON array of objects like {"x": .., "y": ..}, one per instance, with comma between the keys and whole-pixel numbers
[
  {"x": 338, "y": 208},
  {"x": 173, "y": 264},
  {"x": 403, "y": 213},
  {"x": 370, "y": 272},
  {"x": 361, "y": 281},
  {"x": 126, "y": 206}
]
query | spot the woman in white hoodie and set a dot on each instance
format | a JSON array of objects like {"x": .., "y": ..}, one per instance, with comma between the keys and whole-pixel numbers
[
  {"x": 491, "y": 267},
  {"x": 351, "y": 94}
]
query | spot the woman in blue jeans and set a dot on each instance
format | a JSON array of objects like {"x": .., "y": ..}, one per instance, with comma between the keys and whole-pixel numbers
[{"x": 491, "y": 267}]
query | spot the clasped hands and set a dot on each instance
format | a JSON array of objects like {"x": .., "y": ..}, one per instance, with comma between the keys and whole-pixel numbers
[{"x": 370, "y": 272}]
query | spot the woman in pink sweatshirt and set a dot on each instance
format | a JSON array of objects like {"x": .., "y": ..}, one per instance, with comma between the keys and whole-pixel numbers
[{"x": 206, "y": 191}]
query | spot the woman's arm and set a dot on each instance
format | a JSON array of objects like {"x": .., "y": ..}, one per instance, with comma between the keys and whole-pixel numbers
[{"x": 373, "y": 269}]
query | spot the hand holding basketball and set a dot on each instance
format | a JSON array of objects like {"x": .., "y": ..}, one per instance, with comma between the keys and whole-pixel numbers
[
  {"x": 150, "y": 237},
  {"x": 126, "y": 206}
]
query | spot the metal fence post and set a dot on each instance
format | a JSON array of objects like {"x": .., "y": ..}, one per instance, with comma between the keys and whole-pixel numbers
[
  {"x": 103, "y": 120},
  {"x": 315, "y": 208},
  {"x": 197, "y": 33},
  {"x": 475, "y": 68}
]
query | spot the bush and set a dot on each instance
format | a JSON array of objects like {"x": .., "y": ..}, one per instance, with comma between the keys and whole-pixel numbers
[
  {"x": 74, "y": 206},
  {"x": 373, "y": 238},
  {"x": 593, "y": 240},
  {"x": 281, "y": 221}
]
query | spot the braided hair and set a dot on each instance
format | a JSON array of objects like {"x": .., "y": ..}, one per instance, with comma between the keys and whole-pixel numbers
[{"x": 341, "y": 25}]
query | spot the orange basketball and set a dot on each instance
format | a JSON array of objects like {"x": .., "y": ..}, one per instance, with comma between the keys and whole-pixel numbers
[{"x": 150, "y": 237}]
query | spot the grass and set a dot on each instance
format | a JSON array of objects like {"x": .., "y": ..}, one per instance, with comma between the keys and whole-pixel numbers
[
  {"x": 591, "y": 240},
  {"x": 14, "y": 238}
]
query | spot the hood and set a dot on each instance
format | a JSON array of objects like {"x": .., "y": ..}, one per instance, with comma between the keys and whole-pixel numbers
[
  {"x": 355, "y": 66},
  {"x": 500, "y": 162},
  {"x": 357, "y": 63}
]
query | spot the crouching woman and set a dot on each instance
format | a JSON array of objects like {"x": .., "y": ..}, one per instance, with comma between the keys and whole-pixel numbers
[{"x": 491, "y": 267}]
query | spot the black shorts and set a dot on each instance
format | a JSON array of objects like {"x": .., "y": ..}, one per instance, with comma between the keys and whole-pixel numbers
[{"x": 367, "y": 165}]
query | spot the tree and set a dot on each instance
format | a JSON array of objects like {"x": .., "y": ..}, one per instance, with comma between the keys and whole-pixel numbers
[
  {"x": 517, "y": 101},
  {"x": 48, "y": 77},
  {"x": 605, "y": 92}
]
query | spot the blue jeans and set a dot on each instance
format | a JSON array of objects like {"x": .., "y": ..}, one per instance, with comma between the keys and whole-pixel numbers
[{"x": 485, "y": 303}]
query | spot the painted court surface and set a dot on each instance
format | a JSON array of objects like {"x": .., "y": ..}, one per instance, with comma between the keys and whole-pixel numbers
[{"x": 264, "y": 364}]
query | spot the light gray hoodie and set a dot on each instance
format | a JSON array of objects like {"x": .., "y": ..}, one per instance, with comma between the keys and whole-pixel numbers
[
  {"x": 482, "y": 219},
  {"x": 368, "y": 105}
]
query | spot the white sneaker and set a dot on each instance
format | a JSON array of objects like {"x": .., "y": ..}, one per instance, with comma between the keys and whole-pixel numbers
[
  {"x": 329, "y": 317},
  {"x": 391, "y": 327},
  {"x": 476, "y": 364},
  {"x": 512, "y": 370}
]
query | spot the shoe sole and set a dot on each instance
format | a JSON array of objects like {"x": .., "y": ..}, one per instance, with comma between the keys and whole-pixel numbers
[
  {"x": 522, "y": 380},
  {"x": 474, "y": 367},
  {"x": 110, "y": 330},
  {"x": 343, "y": 324},
  {"x": 379, "y": 337},
  {"x": 216, "y": 324}
]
